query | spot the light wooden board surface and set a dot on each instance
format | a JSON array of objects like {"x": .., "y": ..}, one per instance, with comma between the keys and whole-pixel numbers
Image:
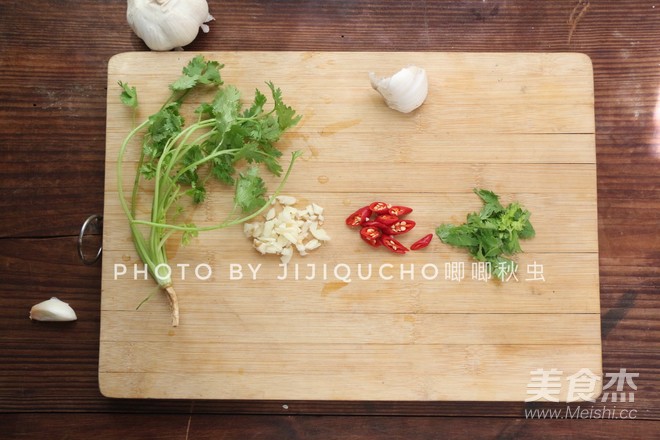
[{"x": 368, "y": 324}]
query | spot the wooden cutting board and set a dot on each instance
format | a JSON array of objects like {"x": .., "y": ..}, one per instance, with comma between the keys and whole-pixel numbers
[{"x": 415, "y": 327}]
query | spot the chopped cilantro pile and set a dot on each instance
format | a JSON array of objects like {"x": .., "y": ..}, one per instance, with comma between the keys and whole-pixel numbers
[{"x": 491, "y": 235}]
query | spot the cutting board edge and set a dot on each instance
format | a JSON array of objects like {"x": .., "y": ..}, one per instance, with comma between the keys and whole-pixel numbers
[{"x": 118, "y": 58}]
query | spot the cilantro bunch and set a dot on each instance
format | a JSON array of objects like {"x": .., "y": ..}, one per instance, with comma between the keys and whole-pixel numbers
[
  {"x": 178, "y": 160},
  {"x": 493, "y": 234}
]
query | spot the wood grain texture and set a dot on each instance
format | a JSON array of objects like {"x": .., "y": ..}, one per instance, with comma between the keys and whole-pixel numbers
[
  {"x": 53, "y": 69},
  {"x": 158, "y": 426},
  {"x": 378, "y": 336}
]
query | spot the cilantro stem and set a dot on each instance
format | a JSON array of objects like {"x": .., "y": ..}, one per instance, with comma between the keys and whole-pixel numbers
[
  {"x": 136, "y": 184},
  {"x": 138, "y": 238},
  {"x": 226, "y": 223}
]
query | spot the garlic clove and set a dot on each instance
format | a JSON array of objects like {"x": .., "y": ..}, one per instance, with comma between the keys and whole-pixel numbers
[
  {"x": 52, "y": 310},
  {"x": 286, "y": 255},
  {"x": 167, "y": 24},
  {"x": 404, "y": 91},
  {"x": 318, "y": 233},
  {"x": 286, "y": 200}
]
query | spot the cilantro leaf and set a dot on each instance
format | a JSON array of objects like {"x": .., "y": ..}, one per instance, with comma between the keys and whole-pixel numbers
[
  {"x": 164, "y": 125},
  {"x": 527, "y": 231},
  {"x": 250, "y": 152},
  {"x": 196, "y": 192},
  {"x": 187, "y": 236},
  {"x": 225, "y": 107},
  {"x": 286, "y": 116},
  {"x": 270, "y": 129},
  {"x": 271, "y": 159},
  {"x": 184, "y": 83},
  {"x": 491, "y": 201},
  {"x": 212, "y": 74},
  {"x": 198, "y": 71},
  {"x": 250, "y": 191},
  {"x": 148, "y": 170},
  {"x": 257, "y": 105},
  {"x": 222, "y": 168},
  {"x": 489, "y": 197},
  {"x": 128, "y": 95},
  {"x": 462, "y": 235},
  {"x": 192, "y": 156}
]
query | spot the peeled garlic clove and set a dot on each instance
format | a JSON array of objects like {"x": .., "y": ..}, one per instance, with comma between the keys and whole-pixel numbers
[
  {"x": 167, "y": 24},
  {"x": 405, "y": 90},
  {"x": 319, "y": 233},
  {"x": 286, "y": 200},
  {"x": 52, "y": 310},
  {"x": 286, "y": 255}
]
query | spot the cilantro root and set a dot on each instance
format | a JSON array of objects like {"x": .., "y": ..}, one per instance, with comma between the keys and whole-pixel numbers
[
  {"x": 177, "y": 160},
  {"x": 491, "y": 235}
]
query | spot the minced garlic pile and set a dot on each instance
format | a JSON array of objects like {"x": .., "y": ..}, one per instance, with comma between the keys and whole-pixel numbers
[{"x": 286, "y": 228}]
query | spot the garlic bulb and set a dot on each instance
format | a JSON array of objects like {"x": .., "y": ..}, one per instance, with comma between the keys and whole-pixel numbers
[
  {"x": 167, "y": 24},
  {"x": 52, "y": 310},
  {"x": 405, "y": 90}
]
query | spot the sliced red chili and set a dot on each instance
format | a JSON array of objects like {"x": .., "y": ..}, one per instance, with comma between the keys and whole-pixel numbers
[
  {"x": 387, "y": 219},
  {"x": 400, "y": 211},
  {"x": 359, "y": 217},
  {"x": 380, "y": 222},
  {"x": 392, "y": 244},
  {"x": 371, "y": 235},
  {"x": 376, "y": 224},
  {"x": 422, "y": 242},
  {"x": 400, "y": 227},
  {"x": 380, "y": 207}
]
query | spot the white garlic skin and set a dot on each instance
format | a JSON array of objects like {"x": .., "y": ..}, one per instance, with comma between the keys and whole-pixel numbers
[
  {"x": 404, "y": 91},
  {"x": 167, "y": 24},
  {"x": 52, "y": 310}
]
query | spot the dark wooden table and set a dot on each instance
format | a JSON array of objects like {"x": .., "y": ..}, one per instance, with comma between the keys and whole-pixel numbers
[{"x": 53, "y": 66}]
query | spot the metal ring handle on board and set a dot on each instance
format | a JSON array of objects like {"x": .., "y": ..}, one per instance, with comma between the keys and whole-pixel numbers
[{"x": 96, "y": 218}]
